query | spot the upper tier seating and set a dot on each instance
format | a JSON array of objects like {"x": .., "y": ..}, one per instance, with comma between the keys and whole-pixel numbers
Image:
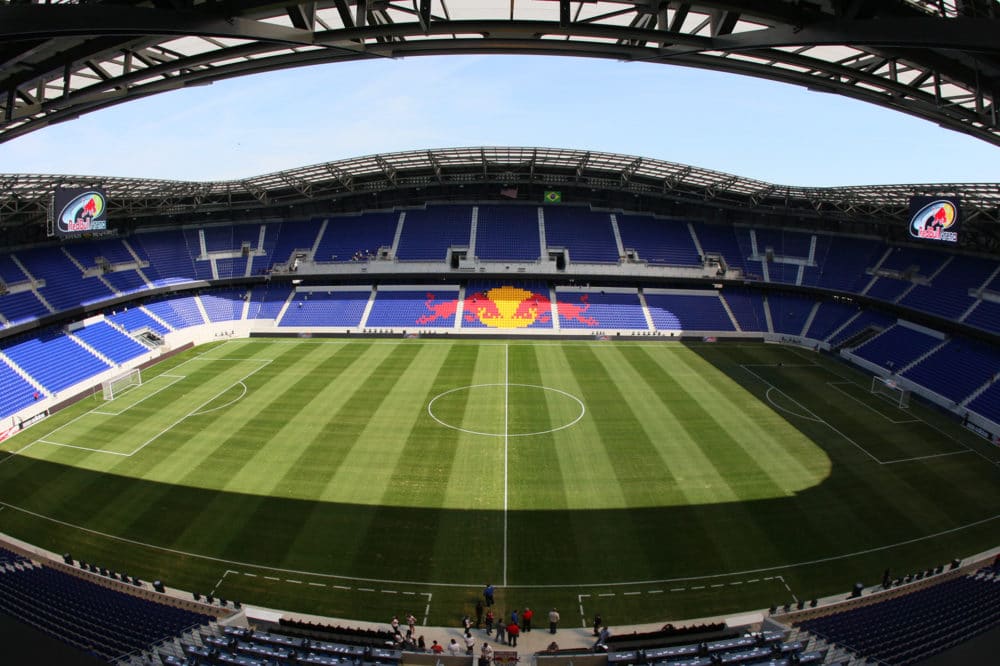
[
  {"x": 986, "y": 316},
  {"x": 427, "y": 234},
  {"x": 282, "y": 240},
  {"x": 171, "y": 259},
  {"x": 720, "y": 239},
  {"x": 21, "y": 307},
  {"x": 659, "y": 242},
  {"x": 416, "y": 307},
  {"x": 897, "y": 347},
  {"x": 587, "y": 235},
  {"x": 841, "y": 262},
  {"x": 507, "y": 233},
  {"x": 356, "y": 238},
  {"x": 689, "y": 312},
  {"x": 65, "y": 287}
]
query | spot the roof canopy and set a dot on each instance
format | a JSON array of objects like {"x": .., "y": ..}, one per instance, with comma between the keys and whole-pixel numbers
[{"x": 936, "y": 59}]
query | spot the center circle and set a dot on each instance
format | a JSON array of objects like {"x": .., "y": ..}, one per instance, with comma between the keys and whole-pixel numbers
[{"x": 489, "y": 393}]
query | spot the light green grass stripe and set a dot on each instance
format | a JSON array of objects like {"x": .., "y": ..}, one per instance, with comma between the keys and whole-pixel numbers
[
  {"x": 636, "y": 465},
  {"x": 474, "y": 479},
  {"x": 698, "y": 478},
  {"x": 585, "y": 470},
  {"x": 793, "y": 461},
  {"x": 534, "y": 461}
]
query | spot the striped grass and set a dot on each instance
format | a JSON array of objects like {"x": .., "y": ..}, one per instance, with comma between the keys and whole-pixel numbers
[{"x": 648, "y": 480}]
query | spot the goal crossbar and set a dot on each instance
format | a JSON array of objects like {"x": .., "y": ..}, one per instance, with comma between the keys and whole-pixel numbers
[
  {"x": 115, "y": 386},
  {"x": 888, "y": 389}
]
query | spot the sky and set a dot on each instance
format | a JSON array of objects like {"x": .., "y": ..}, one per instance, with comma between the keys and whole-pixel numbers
[{"x": 259, "y": 124}]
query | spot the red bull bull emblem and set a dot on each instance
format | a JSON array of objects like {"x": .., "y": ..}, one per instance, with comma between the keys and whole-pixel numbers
[
  {"x": 508, "y": 307},
  {"x": 444, "y": 310},
  {"x": 573, "y": 312}
]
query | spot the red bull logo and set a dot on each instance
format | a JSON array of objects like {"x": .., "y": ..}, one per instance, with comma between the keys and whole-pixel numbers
[
  {"x": 576, "y": 312},
  {"x": 508, "y": 307},
  {"x": 444, "y": 310},
  {"x": 935, "y": 220}
]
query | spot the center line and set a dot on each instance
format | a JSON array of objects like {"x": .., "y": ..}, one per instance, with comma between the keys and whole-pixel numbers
[{"x": 506, "y": 417}]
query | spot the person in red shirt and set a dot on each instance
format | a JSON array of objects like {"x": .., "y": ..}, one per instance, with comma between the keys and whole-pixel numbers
[
  {"x": 512, "y": 632},
  {"x": 526, "y": 619},
  {"x": 436, "y": 648}
]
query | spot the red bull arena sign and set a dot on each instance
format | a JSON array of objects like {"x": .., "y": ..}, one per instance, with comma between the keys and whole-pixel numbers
[{"x": 934, "y": 218}]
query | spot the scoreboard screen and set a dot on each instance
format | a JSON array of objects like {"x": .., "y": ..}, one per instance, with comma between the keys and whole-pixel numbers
[
  {"x": 935, "y": 219},
  {"x": 79, "y": 211}
]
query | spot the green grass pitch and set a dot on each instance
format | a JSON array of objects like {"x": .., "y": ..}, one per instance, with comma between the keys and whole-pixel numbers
[{"x": 365, "y": 478}]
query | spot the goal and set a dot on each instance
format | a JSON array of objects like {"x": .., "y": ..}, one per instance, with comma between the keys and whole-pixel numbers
[
  {"x": 115, "y": 386},
  {"x": 891, "y": 391}
]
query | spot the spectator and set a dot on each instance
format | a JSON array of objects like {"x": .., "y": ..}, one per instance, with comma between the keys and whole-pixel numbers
[
  {"x": 553, "y": 620},
  {"x": 454, "y": 649},
  {"x": 512, "y": 633},
  {"x": 436, "y": 648},
  {"x": 470, "y": 643},
  {"x": 526, "y": 619},
  {"x": 489, "y": 621}
]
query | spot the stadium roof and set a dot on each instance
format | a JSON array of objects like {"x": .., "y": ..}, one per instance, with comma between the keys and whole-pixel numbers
[
  {"x": 935, "y": 59},
  {"x": 484, "y": 173}
]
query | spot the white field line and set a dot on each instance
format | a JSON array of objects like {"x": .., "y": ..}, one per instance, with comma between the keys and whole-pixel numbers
[
  {"x": 506, "y": 441},
  {"x": 816, "y": 418},
  {"x": 176, "y": 379},
  {"x": 837, "y": 385},
  {"x": 995, "y": 463},
  {"x": 263, "y": 364},
  {"x": 383, "y": 581}
]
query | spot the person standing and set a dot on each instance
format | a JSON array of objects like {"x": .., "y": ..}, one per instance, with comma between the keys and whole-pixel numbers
[
  {"x": 411, "y": 622},
  {"x": 513, "y": 616},
  {"x": 479, "y": 613},
  {"x": 470, "y": 643},
  {"x": 553, "y": 620},
  {"x": 486, "y": 656},
  {"x": 488, "y": 593},
  {"x": 526, "y": 619},
  {"x": 501, "y": 632},
  {"x": 512, "y": 632},
  {"x": 598, "y": 623},
  {"x": 454, "y": 649},
  {"x": 436, "y": 648},
  {"x": 489, "y": 621}
]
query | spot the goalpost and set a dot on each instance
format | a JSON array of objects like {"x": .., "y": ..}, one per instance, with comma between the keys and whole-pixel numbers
[
  {"x": 891, "y": 391},
  {"x": 117, "y": 385}
]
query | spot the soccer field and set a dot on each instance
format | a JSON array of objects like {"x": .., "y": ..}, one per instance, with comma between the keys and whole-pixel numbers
[{"x": 365, "y": 478}]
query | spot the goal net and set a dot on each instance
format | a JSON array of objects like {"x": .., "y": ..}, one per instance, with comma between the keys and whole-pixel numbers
[
  {"x": 891, "y": 391},
  {"x": 115, "y": 386}
]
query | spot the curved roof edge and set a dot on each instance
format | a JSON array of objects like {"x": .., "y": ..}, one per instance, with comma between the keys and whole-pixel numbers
[{"x": 413, "y": 177}]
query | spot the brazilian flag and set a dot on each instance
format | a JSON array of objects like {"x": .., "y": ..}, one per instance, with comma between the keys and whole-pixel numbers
[{"x": 552, "y": 197}]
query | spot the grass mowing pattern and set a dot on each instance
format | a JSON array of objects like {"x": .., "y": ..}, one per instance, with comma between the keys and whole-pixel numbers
[{"x": 311, "y": 475}]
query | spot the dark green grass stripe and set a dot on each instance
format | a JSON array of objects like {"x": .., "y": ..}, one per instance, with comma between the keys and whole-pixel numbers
[
  {"x": 331, "y": 445},
  {"x": 432, "y": 543},
  {"x": 533, "y": 461},
  {"x": 205, "y": 527}
]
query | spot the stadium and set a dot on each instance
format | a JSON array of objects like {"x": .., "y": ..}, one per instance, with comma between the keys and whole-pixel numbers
[{"x": 251, "y": 421}]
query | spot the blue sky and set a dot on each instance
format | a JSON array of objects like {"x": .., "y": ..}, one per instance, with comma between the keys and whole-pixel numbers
[{"x": 754, "y": 128}]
